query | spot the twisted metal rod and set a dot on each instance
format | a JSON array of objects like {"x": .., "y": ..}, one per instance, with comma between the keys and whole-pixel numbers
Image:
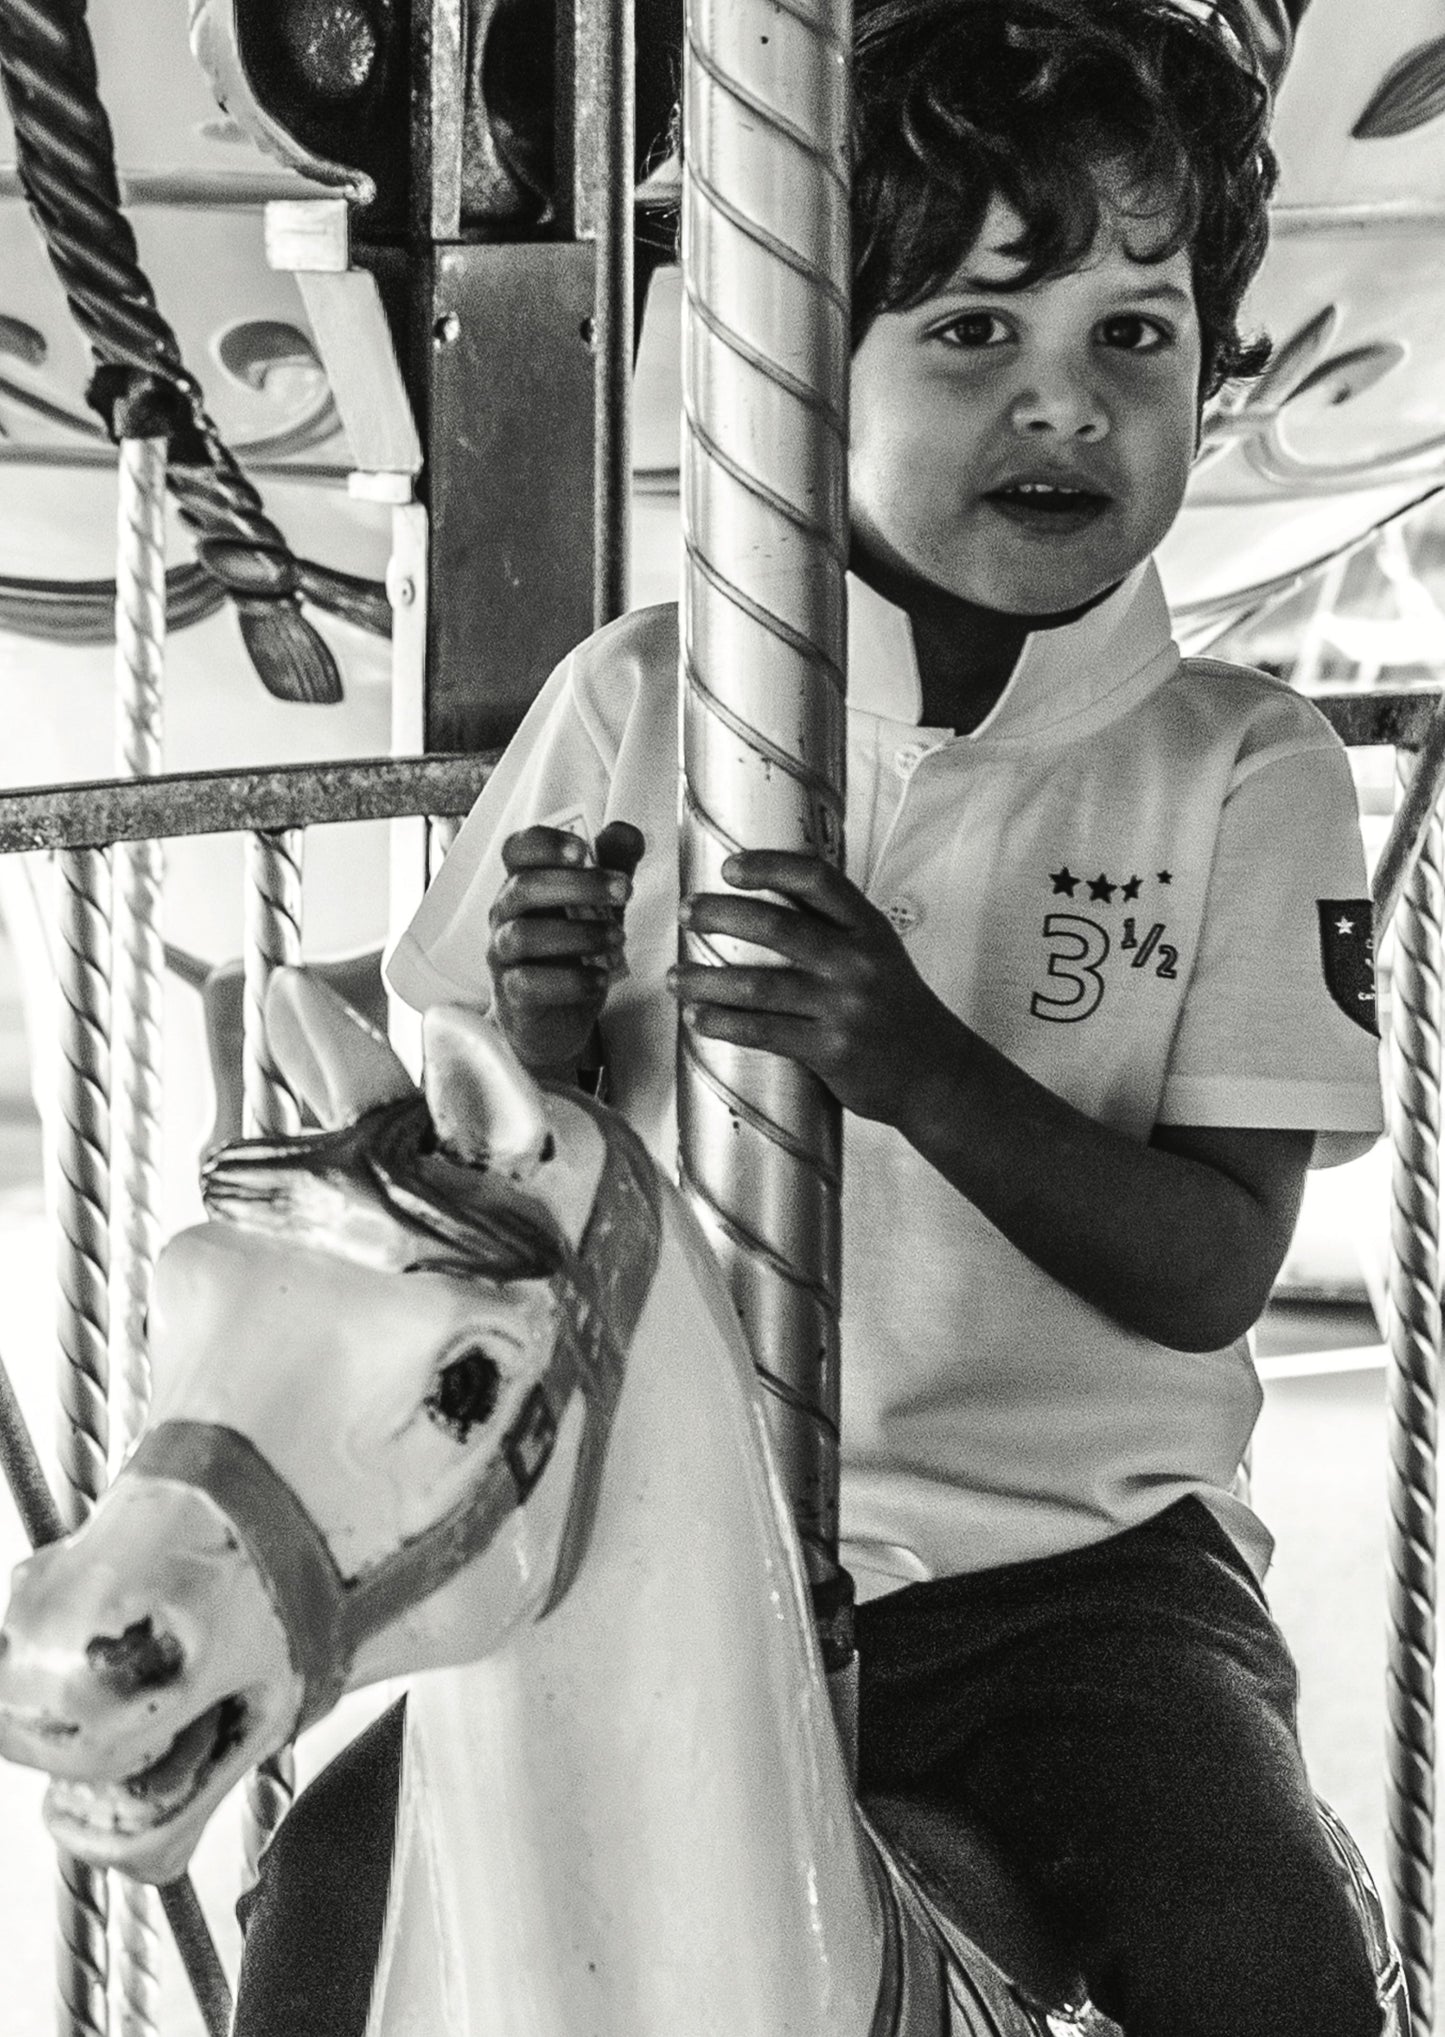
[
  {"x": 140, "y": 628},
  {"x": 1413, "y": 1419},
  {"x": 764, "y": 499},
  {"x": 273, "y": 941},
  {"x": 83, "y": 1326},
  {"x": 65, "y": 155}
]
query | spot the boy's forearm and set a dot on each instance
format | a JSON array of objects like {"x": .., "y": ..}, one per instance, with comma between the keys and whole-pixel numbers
[{"x": 1158, "y": 1241}]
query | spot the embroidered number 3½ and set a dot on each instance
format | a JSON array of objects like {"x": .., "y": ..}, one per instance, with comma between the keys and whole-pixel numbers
[{"x": 1078, "y": 948}]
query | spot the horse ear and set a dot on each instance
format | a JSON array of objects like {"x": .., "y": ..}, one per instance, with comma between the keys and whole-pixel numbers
[
  {"x": 486, "y": 1108},
  {"x": 330, "y": 1055}
]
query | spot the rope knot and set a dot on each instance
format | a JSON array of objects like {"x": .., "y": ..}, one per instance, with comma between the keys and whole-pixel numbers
[
  {"x": 133, "y": 403},
  {"x": 248, "y": 571}
]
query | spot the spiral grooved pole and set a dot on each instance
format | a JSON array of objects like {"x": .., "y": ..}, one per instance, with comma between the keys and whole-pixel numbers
[
  {"x": 273, "y": 941},
  {"x": 140, "y": 627},
  {"x": 766, "y": 349},
  {"x": 83, "y": 1327},
  {"x": 82, "y": 1952},
  {"x": 1414, "y": 1422}
]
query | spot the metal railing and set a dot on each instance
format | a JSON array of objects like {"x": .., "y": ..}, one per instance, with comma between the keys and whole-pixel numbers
[{"x": 100, "y": 1206}]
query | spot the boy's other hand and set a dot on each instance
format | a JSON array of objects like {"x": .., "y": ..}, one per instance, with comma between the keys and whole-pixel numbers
[
  {"x": 557, "y": 940},
  {"x": 847, "y": 1002}
]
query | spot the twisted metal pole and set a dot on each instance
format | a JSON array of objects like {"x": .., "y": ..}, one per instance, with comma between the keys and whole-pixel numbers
[
  {"x": 273, "y": 941},
  {"x": 1413, "y": 1419},
  {"x": 140, "y": 626},
  {"x": 83, "y": 1325},
  {"x": 766, "y": 261}
]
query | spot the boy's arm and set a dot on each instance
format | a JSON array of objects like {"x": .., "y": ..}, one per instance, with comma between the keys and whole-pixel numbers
[{"x": 1179, "y": 1239}]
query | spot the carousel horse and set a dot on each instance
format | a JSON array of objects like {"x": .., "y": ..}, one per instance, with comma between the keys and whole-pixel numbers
[{"x": 456, "y": 1386}]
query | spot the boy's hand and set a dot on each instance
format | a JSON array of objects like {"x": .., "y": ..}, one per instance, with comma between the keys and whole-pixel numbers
[
  {"x": 848, "y": 1003},
  {"x": 557, "y": 938}
]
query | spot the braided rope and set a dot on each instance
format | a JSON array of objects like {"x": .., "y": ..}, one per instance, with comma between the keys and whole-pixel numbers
[
  {"x": 1414, "y": 1423},
  {"x": 66, "y": 158},
  {"x": 273, "y": 941},
  {"x": 764, "y": 476},
  {"x": 140, "y": 627},
  {"x": 83, "y": 1323}
]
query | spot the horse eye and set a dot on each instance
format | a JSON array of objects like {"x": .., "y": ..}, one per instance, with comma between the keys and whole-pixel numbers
[{"x": 465, "y": 1393}]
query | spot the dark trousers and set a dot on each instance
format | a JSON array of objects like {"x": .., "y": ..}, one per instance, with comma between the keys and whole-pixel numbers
[{"x": 1120, "y": 1721}]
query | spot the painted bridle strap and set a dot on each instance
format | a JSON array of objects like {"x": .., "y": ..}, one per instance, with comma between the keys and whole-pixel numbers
[{"x": 326, "y": 1617}]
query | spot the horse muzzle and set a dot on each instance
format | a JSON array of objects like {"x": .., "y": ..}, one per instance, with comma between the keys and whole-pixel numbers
[{"x": 144, "y": 1668}]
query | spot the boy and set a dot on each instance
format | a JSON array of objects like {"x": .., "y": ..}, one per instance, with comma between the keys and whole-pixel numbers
[{"x": 1091, "y": 889}]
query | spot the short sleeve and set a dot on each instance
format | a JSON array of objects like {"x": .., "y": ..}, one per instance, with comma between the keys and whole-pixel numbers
[
  {"x": 1278, "y": 1024},
  {"x": 550, "y": 773},
  {"x": 599, "y": 743}
]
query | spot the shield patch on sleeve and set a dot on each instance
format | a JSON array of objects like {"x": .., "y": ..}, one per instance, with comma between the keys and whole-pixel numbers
[{"x": 1347, "y": 955}]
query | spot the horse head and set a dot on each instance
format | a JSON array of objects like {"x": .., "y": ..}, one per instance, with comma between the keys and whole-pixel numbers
[{"x": 384, "y": 1368}]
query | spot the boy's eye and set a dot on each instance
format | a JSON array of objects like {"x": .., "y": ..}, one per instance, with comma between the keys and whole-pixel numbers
[
  {"x": 1133, "y": 333},
  {"x": 974, "y": 329}
]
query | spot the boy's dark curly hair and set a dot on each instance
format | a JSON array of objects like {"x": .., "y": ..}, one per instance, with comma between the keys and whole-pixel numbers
[{"x": 1033, "y": 101}]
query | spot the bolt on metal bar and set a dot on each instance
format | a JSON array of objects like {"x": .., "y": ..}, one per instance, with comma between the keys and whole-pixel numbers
[
  {"x": 42, "y": 1521},
  {"x": 1414, "y": 1389},
  {"x": 766, "y": 349}
]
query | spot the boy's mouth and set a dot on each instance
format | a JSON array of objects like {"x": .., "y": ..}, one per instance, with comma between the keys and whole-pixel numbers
[{"x": 1055, "y": 508}]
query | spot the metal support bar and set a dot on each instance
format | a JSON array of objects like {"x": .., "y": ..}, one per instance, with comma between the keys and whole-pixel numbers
[
  {"x": 225, "y": 802},
  {"x": 1414, "y": 1341},
  {"x": 140, "y": 629},
  {"x": 273, "y": 941},
  {"x": 605, "y": 121},
  {"x": 83, "y": 1326},
  {"x": 1413, "y": 819},
  {"x": 764, "y": 491}
]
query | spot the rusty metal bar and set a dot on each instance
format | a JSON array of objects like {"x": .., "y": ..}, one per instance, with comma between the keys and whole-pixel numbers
[
  {"x": 109, "y": 810},
  {"x": 605, "y": 118},
  {"x": 41, "y": 1519}
]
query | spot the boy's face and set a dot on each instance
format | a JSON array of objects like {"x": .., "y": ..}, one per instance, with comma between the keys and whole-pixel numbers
[{"x": 1025, "y": 449}]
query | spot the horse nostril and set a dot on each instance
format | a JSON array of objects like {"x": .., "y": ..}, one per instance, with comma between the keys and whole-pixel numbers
[{"x": 136, "y": 1660}]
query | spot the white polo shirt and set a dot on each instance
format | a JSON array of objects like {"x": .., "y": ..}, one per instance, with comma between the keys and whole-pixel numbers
[{"x": 1139, "y": 878}]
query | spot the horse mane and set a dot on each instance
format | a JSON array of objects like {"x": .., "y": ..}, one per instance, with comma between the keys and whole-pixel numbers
[{"x": 388, "y": 1161}]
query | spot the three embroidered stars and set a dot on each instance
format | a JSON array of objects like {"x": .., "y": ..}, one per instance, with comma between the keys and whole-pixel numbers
[{"x": 1102, "y": 887}]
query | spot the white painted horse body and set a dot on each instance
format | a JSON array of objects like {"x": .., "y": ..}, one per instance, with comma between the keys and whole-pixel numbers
[{"x": 634, "y": 1816}]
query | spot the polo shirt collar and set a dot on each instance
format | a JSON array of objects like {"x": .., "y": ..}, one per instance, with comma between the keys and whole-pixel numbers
[{"x": 1065, "y": 678}]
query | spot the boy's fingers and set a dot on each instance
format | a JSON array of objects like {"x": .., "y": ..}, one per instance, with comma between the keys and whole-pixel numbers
[
  {"x": 793, "y": 935},
  {"x": 551, "y": 939},
  {"x": 807, "y": 880},
  {"x": 553, "y": 986},
  {"x": 620, "y": 846},
  {"x": 736, "y": 987},
  {"x": 544, "y": 887},
  {"x": 766, "y": 1032},
  {"x": 538, "y": 848}
]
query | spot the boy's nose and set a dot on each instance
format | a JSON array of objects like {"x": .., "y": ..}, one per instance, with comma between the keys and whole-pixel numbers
[{"x": 1064, "y": 409}]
